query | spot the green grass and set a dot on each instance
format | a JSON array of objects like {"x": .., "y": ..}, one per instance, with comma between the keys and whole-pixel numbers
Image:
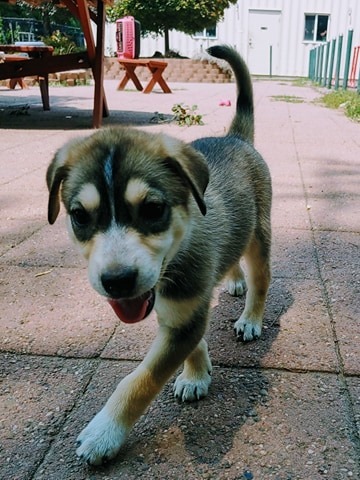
[
  {"x": 287, "y": 98},
  {"x": 349, "y": 100},
  {"x": 301, "y": 82}
]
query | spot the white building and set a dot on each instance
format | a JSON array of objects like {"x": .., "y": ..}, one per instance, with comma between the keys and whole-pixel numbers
[{"x": 274, "y": 36}]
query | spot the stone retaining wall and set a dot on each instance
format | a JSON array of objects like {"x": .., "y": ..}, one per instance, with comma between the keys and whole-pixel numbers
[{"x": 178, "y": 70}]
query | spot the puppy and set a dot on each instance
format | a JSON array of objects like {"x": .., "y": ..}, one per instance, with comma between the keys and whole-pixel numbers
[{"x": 161, "y": 223}]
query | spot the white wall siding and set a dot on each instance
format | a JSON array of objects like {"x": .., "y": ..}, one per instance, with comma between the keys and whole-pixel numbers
[{"x": 292, "y": 53}]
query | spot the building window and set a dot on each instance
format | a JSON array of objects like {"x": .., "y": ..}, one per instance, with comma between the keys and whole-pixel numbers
[
  {"x": 316, "y": 28},
  {"x": 209, "y": 32}
]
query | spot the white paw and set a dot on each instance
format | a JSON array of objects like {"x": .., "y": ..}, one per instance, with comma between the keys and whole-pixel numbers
[
  {"x": 101, "y": 439},
  {"x": 247, "y": 329},
  {"x": 190, "y": 389},
  {"x": 236, "y": 288}
]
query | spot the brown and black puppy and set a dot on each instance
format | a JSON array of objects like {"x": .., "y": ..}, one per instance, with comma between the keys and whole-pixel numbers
[{"x": 161, "y": 223}]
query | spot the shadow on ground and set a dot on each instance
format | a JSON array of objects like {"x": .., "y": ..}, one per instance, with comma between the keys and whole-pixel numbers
[
  {"x": 200, "y": 433},
  {"x": 25, "y": 115}
]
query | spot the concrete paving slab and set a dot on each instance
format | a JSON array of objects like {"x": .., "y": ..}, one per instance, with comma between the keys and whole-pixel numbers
[
  {"x": 260, "y": 420},
  {"x": 131, "y": 342},
  {"x": 332, "y": 190},
  {"x": 23, "y": 147},
  {"x": 333, "y": 213},
  {"x": 35, "y": 250},
  {"x": 14, "y": 231},
  {"x": 328, "y": 126},
  {"x": 36, "y": 396},
  {"x": 338, "y": 254},
  {"x": 293, "y": 253},
  {"x": 287, "y": 199},
  {"x": 252, "y": 421},
  {"x": 290, "y": 340},
  {"x": 354, "y": 389},
  {"x": 339, "y": 260},
  {"x": 22, "y": 208},
  {"x": 52, "y": 311},
  {"x": 345, "y": 310}
]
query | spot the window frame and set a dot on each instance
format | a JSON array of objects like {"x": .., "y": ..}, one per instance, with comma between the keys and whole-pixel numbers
[
  {"x": 204, "y": 36},
  {"x": 316, "y": 23}
]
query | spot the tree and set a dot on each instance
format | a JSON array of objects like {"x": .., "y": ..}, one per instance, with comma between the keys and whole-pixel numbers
[
  {"x": 45, "y": 11},
  {"x": 160, "y": 16}
]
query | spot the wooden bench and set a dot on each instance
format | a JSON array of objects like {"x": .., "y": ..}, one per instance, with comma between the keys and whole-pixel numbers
[
  {"x": 156, "y": 69},
  {"x": 18, "y": 80}
]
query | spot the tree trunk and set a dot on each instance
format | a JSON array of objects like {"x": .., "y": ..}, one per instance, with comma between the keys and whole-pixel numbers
[
  {"x": 166, "y": 37},
  {"x": 46, "y": 23}
]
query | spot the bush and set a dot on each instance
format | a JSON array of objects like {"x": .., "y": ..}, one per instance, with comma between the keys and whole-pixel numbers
[
  {"x": 352, "y": 108},
  {"x": 62, "y": 43}
]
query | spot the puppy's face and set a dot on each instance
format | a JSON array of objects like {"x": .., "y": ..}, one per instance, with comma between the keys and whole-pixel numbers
[{"x": 129, "y": 199}]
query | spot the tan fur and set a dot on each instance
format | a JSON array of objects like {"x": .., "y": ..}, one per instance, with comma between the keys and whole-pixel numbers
[
  {"x": 180, "y": 216},
  {"x": 89, "y": 197},
  {"x": 136, "y": 191}
]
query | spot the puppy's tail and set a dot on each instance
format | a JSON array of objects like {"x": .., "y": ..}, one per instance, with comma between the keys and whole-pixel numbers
[{"x": 243, "y": 122}]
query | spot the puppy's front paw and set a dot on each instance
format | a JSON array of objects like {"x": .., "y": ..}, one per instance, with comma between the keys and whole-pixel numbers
[
  {"x": 247, "y": 329},
  {"x": 101, "y": 439},
  {"x": 188, "y": 389}
]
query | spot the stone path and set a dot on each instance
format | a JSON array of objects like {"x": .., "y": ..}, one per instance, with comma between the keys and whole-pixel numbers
[{"x": 286, "y": 407}]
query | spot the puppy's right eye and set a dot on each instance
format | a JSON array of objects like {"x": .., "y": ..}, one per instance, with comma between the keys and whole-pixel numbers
[
  {"x": 152, "y": 211},
  {"x": 80, "y": 217}
]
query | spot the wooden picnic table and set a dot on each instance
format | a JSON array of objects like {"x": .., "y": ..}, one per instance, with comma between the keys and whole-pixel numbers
[
  {"x": 92, "y": 58},
  {"x": 21, "y": 53}
]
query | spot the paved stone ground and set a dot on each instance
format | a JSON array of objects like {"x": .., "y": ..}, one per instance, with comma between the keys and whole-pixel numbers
[{"x": 286, "y": 407}]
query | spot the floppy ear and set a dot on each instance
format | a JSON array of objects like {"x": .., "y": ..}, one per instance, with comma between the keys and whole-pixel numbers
[
  {"x": 56, "y": 174},
  {"x": 191, "y": 166}
]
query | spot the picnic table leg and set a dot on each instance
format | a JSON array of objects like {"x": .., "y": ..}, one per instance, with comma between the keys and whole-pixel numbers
[
  {"x": 81, "y": 11},
  {"x": 100, "y": 105},
  {"x": 44, "y": 90}
]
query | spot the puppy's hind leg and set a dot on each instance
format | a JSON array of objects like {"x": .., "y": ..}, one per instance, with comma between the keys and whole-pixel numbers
[
  {"x": 193, "y": 383},
  {"x": 257, "y": 258},
  {"x": 236, "y": 284}
]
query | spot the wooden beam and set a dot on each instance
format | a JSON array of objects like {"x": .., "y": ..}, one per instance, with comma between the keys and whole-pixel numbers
[
  {"x": 100, "y": 105},
  {"x": 79, "y": 8}
]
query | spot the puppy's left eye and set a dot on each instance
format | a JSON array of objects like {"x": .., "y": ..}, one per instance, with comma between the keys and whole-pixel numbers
[
  {"x": 152, "y": 210},
  {"x": 80, "y": 217}
]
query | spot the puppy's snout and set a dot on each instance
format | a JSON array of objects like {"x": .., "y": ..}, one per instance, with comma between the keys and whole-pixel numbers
[{"x": 120, "y": 283}]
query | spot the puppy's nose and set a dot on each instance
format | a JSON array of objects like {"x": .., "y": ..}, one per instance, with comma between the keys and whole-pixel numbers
[{"x": 119, "y": 283}]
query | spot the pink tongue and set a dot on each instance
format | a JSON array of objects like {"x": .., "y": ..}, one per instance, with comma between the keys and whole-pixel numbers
[{"x": 131, "y": 310}]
